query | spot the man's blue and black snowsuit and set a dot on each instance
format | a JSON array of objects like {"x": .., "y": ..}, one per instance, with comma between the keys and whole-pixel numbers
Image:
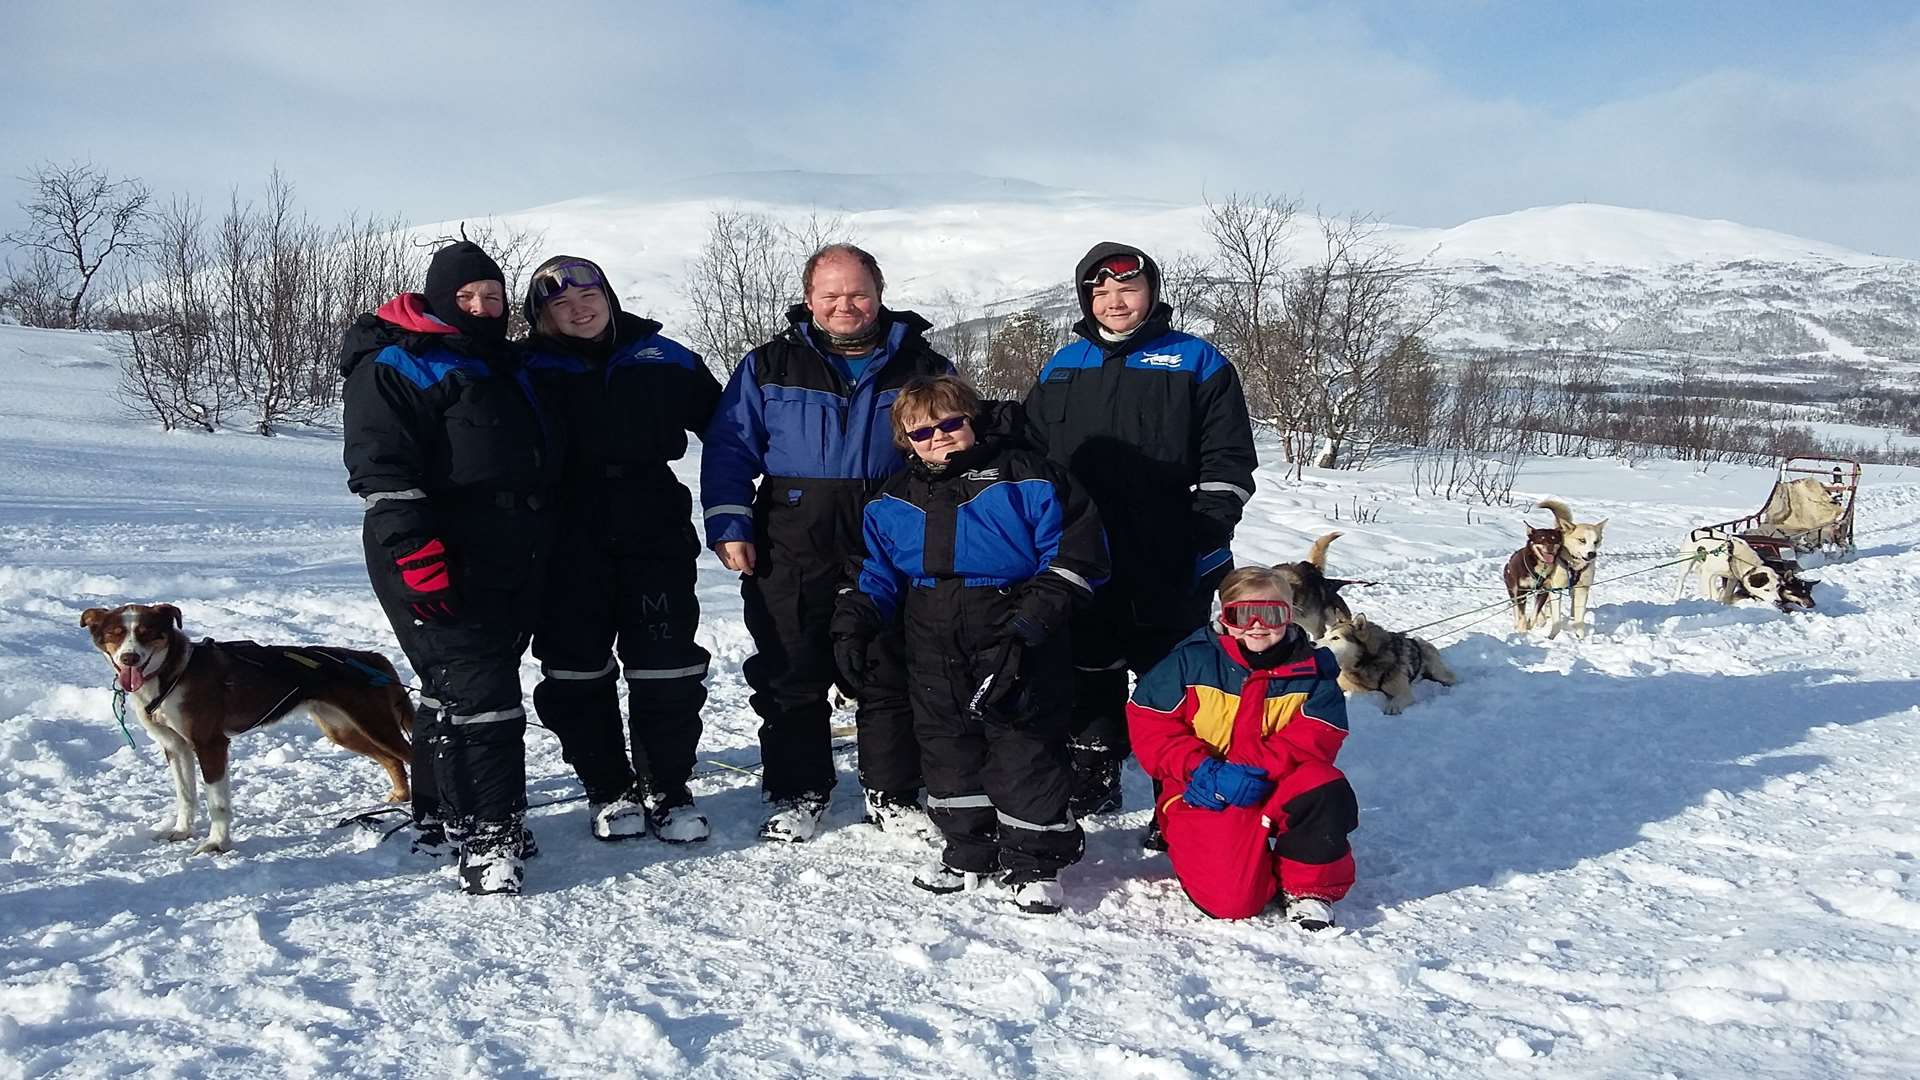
[{"x": 818, "y": 437}]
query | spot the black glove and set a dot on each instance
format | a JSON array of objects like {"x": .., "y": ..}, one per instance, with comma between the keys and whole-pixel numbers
[
  {"x": 856, "y": 622},
  {"x": 1041, "y": 606},
  {"x": 1001, "y": 683}
]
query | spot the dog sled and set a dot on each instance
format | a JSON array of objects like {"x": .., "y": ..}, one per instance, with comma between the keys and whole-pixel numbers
[{"x": 1810, "y": 509}]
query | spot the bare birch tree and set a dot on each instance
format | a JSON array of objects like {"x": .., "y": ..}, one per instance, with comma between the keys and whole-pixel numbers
[{"x": 81, "y": 217}]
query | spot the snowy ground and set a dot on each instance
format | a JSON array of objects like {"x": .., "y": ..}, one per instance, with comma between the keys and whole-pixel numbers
[{"x": 1685, "y": 847}]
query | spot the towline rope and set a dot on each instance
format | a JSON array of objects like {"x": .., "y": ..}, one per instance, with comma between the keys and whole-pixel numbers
[{"x": 1698, "y": 556}]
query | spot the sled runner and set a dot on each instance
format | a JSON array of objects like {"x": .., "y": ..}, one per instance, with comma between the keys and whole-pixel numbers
[{"x": 1809, "y": 509}]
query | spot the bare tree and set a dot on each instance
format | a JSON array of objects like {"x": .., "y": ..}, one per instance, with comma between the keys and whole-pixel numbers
[
  {"x": 1187, "y": 284},
  {"x": 740, "y": 286},
  {"x": 80, "y": 216},
  {"x": 1351, "y": 319},
  {"x": 1250, "y": 234},
  {"x": 34, "y": 293},
  {"x": 1020, "y": 348},
  {"x": 966, "y": 333},
  {"x": 170, "y": 374}
]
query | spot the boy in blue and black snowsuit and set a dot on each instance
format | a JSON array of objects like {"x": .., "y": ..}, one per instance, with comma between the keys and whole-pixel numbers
[{"x": 985, "y": 550}]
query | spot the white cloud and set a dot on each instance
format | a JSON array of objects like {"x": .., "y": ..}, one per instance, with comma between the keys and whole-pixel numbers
[{"x": 448, "y": 111}]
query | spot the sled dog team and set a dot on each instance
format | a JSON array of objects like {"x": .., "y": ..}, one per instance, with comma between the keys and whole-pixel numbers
[{"x": 982, "y": 577}]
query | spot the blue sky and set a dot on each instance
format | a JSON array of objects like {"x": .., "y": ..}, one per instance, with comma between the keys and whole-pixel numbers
[{"x": 1798, "y": 117}]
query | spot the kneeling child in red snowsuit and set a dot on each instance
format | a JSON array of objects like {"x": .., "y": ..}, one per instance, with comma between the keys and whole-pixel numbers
[{"x": 1239, "y": 725}]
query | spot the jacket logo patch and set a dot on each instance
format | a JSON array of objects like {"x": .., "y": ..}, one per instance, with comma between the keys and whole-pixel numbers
[
  {"x": 651, "y": 352},
  {"x": 980, "y": 474},
  {"x": 1166, "y": 360}
]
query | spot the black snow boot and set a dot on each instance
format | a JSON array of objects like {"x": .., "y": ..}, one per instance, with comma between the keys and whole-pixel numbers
[
  {"x": 492, "y": 855},
  {"x": 1096, "y": 781}
]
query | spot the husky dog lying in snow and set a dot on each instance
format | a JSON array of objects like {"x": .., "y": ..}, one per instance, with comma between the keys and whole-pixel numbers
[
  {"x": 1728, "y": 568},
  {"x": 1573, "y": 571},
  {"x": 1316, "y": 597},
  {"x": 1375, "y": 658},
  {"x": 193, "y": 698}
]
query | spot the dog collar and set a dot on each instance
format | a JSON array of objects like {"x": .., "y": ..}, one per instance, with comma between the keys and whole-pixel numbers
[{"x": 167, "y": 687}]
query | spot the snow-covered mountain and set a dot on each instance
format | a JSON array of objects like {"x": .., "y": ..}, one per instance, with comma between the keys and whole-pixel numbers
[{"x": 1580, "y": 276}]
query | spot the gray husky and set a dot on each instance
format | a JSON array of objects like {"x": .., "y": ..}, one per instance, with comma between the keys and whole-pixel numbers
[{"x": 1375, "y": 658}]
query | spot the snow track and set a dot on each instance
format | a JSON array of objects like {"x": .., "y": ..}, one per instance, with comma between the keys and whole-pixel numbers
[{"x": 1684, "y": 847}]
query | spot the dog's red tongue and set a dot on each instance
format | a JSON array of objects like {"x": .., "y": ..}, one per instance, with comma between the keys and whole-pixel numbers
[{"x": 130, "y": 679}]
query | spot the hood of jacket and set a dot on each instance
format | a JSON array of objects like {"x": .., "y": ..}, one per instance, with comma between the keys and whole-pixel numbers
[{"x": 405, "y": 321}]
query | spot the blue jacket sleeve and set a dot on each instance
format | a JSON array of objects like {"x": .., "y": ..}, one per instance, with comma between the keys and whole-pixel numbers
[
  {"x": 733, "y": 457},
  {"x": 877, "y": 576}
]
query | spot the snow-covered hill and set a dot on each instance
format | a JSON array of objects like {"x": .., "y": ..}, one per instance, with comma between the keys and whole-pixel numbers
[
  {"x": 1684, "y": 847},
  {"x": 1745, "y": 301}
]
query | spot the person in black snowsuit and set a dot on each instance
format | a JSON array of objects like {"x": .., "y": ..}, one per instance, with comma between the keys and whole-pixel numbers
[
  {"x": 807, "y": 415},
  {"x": 446, "y": 445},
  {"x": 985, "y": 549},
  {"x": 1153, "y": 422},
  {"x": 622, "y": 578}
]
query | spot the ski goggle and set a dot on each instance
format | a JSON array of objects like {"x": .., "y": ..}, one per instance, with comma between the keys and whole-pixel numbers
[
  {"x": 950, "y": 425},
  {"x": 1247, "y": 614},
  {"x": 555, "y": 280},
  {"x": 1118, "y": 268}
]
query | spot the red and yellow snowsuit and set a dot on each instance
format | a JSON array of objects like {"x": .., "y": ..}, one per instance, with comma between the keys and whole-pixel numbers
[{"x": 1288, "y": 720}]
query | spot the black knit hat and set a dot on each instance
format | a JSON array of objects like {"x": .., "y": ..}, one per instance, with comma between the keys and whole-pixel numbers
[{"x": 457, "y": 265}]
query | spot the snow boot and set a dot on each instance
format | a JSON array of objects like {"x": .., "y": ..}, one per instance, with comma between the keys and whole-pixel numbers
[
  {"x": 898, "y": 812},
  {"x": 623, "y": 817},
  {"x": 1308, "y": 912},
  {"x": 491, "y": 857},
  {"x": 795, "y": 820},
  {"x": 1096, "y": 781},
  {"x": 430, "y": 839},
  {"x": 1038, "y": 896},
  {"x": 941, "y": 880},
  {"x": 672, "y": 817},
  {"x": 1152, "y": 839}
]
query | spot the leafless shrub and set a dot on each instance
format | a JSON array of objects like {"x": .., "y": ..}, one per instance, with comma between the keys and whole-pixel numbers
[
  {"x": 80, "y": 217},
  {"x": 170, "y": 375}
]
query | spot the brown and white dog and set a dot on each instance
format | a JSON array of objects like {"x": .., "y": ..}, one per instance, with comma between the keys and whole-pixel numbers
[
  {"x": 193, "y": 698},
  {"x": 1573, "y": 571},
  {"x": 1316, "y": 597},
  {"x": 1526, "y": 575}
]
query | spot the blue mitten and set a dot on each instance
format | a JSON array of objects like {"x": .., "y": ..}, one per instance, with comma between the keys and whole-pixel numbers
[{"x": 1217, "y": 784}]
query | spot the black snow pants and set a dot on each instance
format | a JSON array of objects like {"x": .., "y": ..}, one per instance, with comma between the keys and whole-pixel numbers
[
  {"x": 469, "y": 733},
  {"x": 998, "y": 784},
  {"x": 805, "y": 532},
  {"x": 1125, "y": 628},
  {"x": 629, "y": 595}
]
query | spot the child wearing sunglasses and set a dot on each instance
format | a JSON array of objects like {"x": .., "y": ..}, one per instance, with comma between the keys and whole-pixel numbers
[
  {"x": 1239, "y": 726},
  {"x": 985, "y": 550}
]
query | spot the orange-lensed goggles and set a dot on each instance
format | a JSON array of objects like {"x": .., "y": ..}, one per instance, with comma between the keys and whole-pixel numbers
[{"x": 1247, "y": 614}]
